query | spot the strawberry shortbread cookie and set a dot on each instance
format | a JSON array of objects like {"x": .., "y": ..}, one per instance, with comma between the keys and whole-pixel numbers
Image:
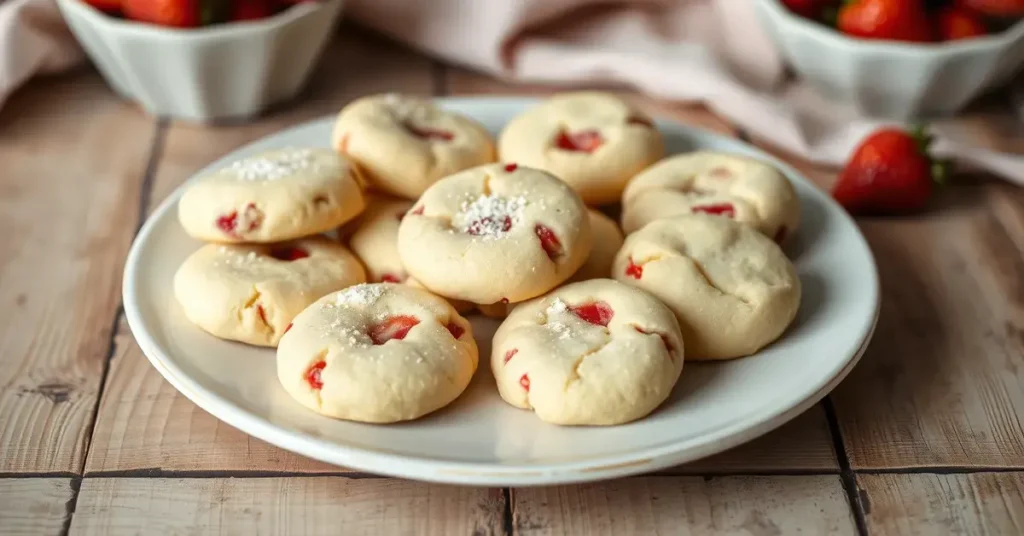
[
  {"x": 404, "y": 144},
  {"x": 377, "y": 353},
  {"x": 495, "y": 233},
  {"x": 591, "y": 353},
  {"x": 375, "y": 240},
  {"x": 607, "y": 241},
  {"x": 594, "y": 141},
  {"x": 732, "y": 289},
  {"x": 250, "y": 293},
  {"x": 732, "y": 186},
  {"x": 274, "y": 196}
]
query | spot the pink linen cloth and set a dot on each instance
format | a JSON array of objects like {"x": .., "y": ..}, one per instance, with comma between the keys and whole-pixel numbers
[{"x": 709, "y": 51}]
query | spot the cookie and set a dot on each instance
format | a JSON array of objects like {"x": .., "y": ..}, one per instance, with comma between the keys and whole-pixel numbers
[
  {"x": 271, "y": 197},
  {"x": 495, "y": 233},
  {"x": 250, "y": 293},
  {"x": 592, "y": 140},
  {"x": 377, "y": 353},
  {"x": 744, "y": 189},
  {"x": 404, "y": 144},
  {"x": 607, "y": 241},
  {"x": 732, "y": 289},
  {"x": 375, "y": 239},
  {"x": 596, "y": 352}
]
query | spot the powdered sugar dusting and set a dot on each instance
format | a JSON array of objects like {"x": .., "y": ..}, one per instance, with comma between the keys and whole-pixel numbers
[
  {"x": 273, "y": 166},
  {"x": 489, "y": 216},
  {"x": 361, "y": 294},
  {"x": 557, "y": 306},
  {"x": 562, "y": 330}
]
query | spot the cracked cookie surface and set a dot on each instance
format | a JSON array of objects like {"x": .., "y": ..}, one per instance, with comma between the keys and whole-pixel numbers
[
  {"x": 403, "y": 144},
  {"x": 592, "y": 140},
  {"x": 250, "y": 293},
  {"x": 731, "y": 186},
  {"x": 732, "y": 289},
  {"x": 271, "y": 197},
  {"x": 495, "y": 233},
  {"x": 596, "y": 352},
  {"x": 377, "y": 352}
]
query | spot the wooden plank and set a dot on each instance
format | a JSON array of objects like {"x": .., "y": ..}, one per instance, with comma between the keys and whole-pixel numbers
[
  {"x": 942, "y": 383},
  {"x": 143, "y": 422},
  {"x": 73, "y": 157},
  {"x": 298, "y": 505},
  {"x": 686, "y": 505},
  {"x": 963, "y": 504},
  {"x": 34, "y": 506},
  {"x": 801, "y": 445},
  {"x": 463, "y": 82}
]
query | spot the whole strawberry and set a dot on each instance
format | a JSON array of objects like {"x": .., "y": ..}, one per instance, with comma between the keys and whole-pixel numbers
[
  {"x": 955, "y": 23},
  {"x": 890, "y": 172},
  {"x": 894, "y": 20},
  {"x": 175, "y": 13}
]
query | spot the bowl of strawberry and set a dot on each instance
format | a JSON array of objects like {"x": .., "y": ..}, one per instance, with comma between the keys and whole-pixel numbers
[
  {"x": 900, "y": 59},
  {"x": 203, "y": 60}
]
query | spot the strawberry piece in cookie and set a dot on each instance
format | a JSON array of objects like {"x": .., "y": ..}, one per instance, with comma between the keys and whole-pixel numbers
[
  {"x": 597, "y": 313},
  {"x": 313, "y": 375},
  {"x": 634, "y": 270},
  {"x": 289, "y": 254},
  {"x": 718, "y": 209},
  {"x": 394, "y": 328},
  {"x": 548, "y": 241},
  {"x": 586, "y": 141}
]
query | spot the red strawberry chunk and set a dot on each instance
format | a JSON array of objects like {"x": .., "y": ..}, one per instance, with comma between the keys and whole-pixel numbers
[
  {"x": 431, "y": 134},
  {"x": 396, "y": 327},
  {"x": 586, "y": 141},
  {"x": 503, "y": 300},
  {"x": 289, "y": 254},
  {"x": 228, "y": 222},
  {"x": 455, "y": 329},
  {"x": 313, "y": 375},
  {"x": 719, "y": 209},
  {"x": 288, "y": 327},
  {"x": 548, "y": 241},
  {"x": 664, "y": 339},
  {"x": 260, "y": 311},
  {"x": 511, "y": 167},
  {"x": 390, "y": 278},
  {"x": 510, "y": 354},
  {"x": 597, "y": 313},
  {"x": 636, "y": 271},
  {"x": 525, "y": 382},
  {"x": 418, "y": 211}
]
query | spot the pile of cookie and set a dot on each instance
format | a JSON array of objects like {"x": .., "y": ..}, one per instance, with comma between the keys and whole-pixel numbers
[{"x": 433, "y": 221}]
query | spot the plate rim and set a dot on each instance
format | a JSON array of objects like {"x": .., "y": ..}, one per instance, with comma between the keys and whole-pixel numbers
[{"x": 477, "y": 473}]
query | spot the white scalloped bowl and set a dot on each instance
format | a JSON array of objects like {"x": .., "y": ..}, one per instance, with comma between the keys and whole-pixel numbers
[
  {"x": 232, "y": 70},
  {"x": 892, "y": 79}
]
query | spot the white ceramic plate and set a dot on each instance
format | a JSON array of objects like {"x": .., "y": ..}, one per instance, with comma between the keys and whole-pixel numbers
[{"x": 479, "y": 439}]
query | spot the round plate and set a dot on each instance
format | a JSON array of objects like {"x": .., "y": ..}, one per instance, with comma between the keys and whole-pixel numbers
[{"x": 479, "y": 439}]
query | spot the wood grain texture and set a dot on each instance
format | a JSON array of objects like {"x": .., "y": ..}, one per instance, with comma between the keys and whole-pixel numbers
[
  {"x": 463, "y": 82},
  {"x": 143, "y": 422},
  {"x": 686, "y": 505},
  {"x": 801, "y": 445},
  {"x": 961, "y": 504},
  {"x": 282, "y": 506},
  {"x": 942, "y": 383},
  {"x": 34, "y": 506},
  {"x": 73, "y": 159}
]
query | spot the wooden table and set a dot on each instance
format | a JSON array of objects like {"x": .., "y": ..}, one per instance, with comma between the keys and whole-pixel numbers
[{"x": 924, "y": 437}]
